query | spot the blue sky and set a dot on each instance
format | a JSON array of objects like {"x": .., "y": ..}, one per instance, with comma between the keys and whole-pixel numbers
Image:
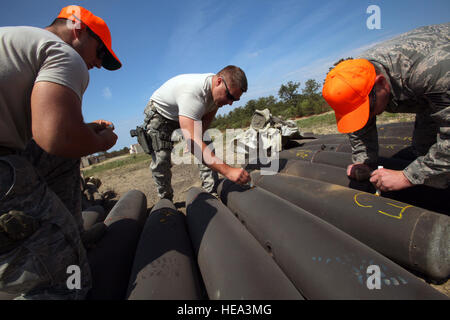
[{"x": 272, "y": 41}]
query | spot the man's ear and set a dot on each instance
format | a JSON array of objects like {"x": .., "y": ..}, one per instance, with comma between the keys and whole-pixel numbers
[
  {"x": 217, "y": 80},
  {"x": 76, "y": 28},
  {"x": 381, "y": 82},
  {"x": 76, "y": 32},
  {"x": 380, "y": 79}
]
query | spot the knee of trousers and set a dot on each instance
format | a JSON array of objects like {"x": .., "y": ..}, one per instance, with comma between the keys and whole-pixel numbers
[
  {"x": 41, "y": 260},
  {"x": 161, "y": 160}
]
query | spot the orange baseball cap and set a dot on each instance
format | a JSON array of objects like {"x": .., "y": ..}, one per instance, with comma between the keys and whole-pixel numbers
[
  {"x": 346, "y": 90},
  {"x": 98, "y": 26}
]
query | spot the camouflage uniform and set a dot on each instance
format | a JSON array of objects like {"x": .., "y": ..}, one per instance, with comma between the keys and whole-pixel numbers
[
  {"x": 46, "y": 190},
  {"x": 160, "y": 130},
  {"x": 417, "y": 66}
]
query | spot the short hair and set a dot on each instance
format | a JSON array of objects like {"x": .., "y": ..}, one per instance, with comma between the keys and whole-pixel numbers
[
  {"x": 235, "y": 76},
  {"x": 377, "y": 71}
]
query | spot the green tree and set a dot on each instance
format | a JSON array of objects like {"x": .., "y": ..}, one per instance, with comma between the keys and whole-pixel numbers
[
  {"x": 290, "y": 104},
  {"x": 311, "y": 88},
  {"x": 307, "y": 107},
  {"x": 288, "y": 93}
]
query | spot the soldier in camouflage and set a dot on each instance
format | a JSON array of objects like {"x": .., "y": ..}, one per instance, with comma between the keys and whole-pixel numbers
[
  {"x": 159, "y": 130},
  {"x": 178, "y": 104},
  {"x": 411, "y": 74},
  {"x": 42, "y": 81}
]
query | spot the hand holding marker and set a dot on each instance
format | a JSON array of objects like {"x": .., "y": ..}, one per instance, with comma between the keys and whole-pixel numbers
[{"x": 378, "y": 193}]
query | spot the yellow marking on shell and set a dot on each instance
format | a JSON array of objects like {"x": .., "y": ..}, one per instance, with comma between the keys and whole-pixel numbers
[
  {"x": 356, "y": 201},
  {"x": 397, "y": 216},
  {"x": 303, "y": 153},
  {"x": 400, "y": 215}
]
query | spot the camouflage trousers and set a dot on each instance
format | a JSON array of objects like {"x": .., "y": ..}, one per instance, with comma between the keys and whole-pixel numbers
[
  {"x": 161, "y": 171},
  {"x": 46, "y": 188},
  {"x": 160, "y": 131}
]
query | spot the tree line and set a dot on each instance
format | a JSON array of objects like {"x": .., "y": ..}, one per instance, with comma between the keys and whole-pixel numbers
[
  {"x": 112, "y": 154},
  {"x": 290, "y": 104}
]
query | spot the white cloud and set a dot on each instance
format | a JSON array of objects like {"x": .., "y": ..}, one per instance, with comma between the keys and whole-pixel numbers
[
  {"x": 254, "y": 54},
  {"x": 107, "y": 94}
]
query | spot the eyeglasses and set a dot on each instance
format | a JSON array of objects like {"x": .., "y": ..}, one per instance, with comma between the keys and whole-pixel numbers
[
  {"x": 229, "y": 95},
  {"x": 101, "y": 49},
  {"x": 372, "y": 100}
]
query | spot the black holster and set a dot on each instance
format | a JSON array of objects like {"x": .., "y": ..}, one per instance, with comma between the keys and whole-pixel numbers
[{"x": 143, "y": 139}]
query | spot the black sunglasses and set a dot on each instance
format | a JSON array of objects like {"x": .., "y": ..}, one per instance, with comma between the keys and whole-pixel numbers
[
  {"x": 229, "y": 95},
  {"x": 101, "y": 49}
]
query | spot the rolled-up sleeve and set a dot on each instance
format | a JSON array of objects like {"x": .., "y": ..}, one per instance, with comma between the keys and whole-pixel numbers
[
  {"x": 431, "y": 78},
  {"x": 64, "y": 66}
]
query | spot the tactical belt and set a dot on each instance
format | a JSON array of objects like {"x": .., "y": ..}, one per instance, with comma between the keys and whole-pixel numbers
[
  {"x": 155, "y": 140},
  {"x": 154, "y": 111},
  {"x": 160, "y": 140}
]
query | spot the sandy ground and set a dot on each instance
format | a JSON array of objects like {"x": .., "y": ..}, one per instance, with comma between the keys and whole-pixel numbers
[{"x": 138, "y": 176}]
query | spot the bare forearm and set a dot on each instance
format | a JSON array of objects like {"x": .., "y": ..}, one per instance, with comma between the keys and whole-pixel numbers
[
  {"x": 207, "y": 119},
  {"x": 72, "y": 143},
  {"x": 208, "y": 157},
  {"x": 57, "y": 123},
  {"x": 205, "y": 125},
  {"x": 193, "y": 137}
]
